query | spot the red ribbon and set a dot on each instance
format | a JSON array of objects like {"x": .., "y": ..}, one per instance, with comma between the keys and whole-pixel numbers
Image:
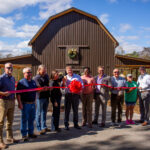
[{"x": 74, "y": 88}]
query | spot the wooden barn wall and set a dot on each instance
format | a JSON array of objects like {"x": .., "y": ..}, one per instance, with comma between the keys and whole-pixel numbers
[
  {"x": 125, "y": 61},
  {"x": 74, "y": 29}
]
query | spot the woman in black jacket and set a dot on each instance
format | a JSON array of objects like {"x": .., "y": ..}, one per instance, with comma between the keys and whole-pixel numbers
[{"x": 55, "y": 99}]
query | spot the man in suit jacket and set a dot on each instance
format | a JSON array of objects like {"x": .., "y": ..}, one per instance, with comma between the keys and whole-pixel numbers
[{"x": 101, "y": 95}]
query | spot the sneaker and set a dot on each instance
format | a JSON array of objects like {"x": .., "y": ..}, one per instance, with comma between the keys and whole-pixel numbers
[
  {"x": 32, "y": 136},
  {"x": 132, "y": 122},
  {"x": 12, "y": 140},
  {"x": 128, "y": 122},
  {"x": 3, "y": 146}
]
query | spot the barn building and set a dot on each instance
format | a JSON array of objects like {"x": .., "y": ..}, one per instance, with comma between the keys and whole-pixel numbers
[{"x": 73, "y": 37}]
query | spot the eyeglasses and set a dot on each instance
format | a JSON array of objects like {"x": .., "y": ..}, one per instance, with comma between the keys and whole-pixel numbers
[
  {"x": 28, "y": 72},
  {"x": 116, "y": 72},
  {"x": 9, "y": 67},
  {"x": 129, "y": 76}
]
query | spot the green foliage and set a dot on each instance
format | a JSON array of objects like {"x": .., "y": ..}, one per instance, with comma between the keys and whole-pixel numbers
[{"x": 133, "y": 54}]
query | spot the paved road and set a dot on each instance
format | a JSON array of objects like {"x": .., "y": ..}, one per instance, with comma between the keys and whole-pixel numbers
[{"x": 128, "y": 137}]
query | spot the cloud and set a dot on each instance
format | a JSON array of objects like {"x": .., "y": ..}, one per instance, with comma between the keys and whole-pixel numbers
[
  {"x": 27, "y": 31},
  {"x": 53, "y": 7},
  {"x": 18, "y": 16},
  {"x": 8, "y": 29},
  {"x": 127, "y": 38},
  {"x": 47, "y": 7},
  {"x": 127, "y": 43},
  {"x": 125, "y": 27},
  {"x": 104, "y": 18},
  {"x": 145, "y": 28},
  {"x": 129, "y": 48},
  {"x": 14, "y": 49}
]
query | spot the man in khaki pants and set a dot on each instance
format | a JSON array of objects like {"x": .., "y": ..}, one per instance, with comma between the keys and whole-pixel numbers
[
  {"x": 7, "y": 104},
  {"x": 87, "y": 97}
]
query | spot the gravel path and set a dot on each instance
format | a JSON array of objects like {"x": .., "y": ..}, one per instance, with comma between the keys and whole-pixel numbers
[{"x": 127, "y": 137}]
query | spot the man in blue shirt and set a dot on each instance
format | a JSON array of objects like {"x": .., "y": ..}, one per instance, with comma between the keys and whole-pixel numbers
[
  {"x": 26, "y": 102},
  {"x": 71, "y": 99},
  {"x": 117, "y": 96},
  {"x": 7, "y": 104}
]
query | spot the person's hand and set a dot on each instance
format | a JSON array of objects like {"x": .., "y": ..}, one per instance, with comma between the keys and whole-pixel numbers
[
  {"x": 20, "y": 106},
  {"x": 119, "y": 88},
  {"x": 140, "y": 88},
  {"x": 45, "y": 88},
  {"x": 6, "y": 94},
  {"x": 56, "y": 104}
]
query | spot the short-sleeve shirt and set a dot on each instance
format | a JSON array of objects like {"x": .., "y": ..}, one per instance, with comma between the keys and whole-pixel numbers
[
  {"x": 131, "y": 96},
  {"x": 42, "y": 81},
  {"x": 118, "y": 82},
  {"x": 7, "y": 83},
  {"x": 27, "y": 96}
]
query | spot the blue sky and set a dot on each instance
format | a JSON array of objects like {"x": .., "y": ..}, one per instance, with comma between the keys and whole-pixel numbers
[{"x": 127, "y": 20}]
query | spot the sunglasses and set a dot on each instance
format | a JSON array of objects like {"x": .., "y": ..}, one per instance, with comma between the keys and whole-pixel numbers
[
  {"x": 28, "y": 72},
  {"x": 116, "y": 72},
  {"x": 9, "y": 67}
]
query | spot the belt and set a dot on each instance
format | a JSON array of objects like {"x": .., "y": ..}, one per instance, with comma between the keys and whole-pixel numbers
[
  {"x": 7, "y": 99},
  {"x": 28, "y": 102}
]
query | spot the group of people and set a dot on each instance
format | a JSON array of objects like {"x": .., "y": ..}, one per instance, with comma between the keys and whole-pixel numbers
[{"x": 101, "y": 88}]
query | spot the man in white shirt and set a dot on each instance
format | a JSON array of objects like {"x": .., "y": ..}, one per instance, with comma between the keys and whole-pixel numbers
[
  {"x": 144, "y": 95},
  {"x": 71, "y": 99}
]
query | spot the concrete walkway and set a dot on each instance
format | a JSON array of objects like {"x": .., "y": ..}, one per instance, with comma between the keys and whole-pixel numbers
[{"x": 129, "y": 137}]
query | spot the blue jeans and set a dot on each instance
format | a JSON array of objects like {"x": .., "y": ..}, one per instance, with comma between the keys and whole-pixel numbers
[
  {"x": 41, "y": 112},
  {"x": 27, "y": 119}
]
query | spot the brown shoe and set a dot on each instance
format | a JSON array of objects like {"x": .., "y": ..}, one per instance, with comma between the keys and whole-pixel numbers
[
  {"x": 12, "y": 140},
  {"x": 83, "y": 124},
  {"x": 48, "y": 130},
  {"x": 3, "y": 146},
  {"x": 90, "y": 125},
  {"x": 42, "y": 132},
  {"x": 102, "y": 125},
  {"x": 145, "y": 123}
]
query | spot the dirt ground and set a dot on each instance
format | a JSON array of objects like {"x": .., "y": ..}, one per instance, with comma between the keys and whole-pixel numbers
[{"x": 109, "y": 138}]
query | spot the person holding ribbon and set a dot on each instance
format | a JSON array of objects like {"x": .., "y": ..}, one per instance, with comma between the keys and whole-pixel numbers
[
  {"x": 101, "y": 95},
  {"x": 117, "y": 96},
  {"x": 42, "y": 99},
  {"x": 71, "y": 99},
  {"x": 130, "y": 98},
  {"x": 55, "y": 99},
  {"x": 87, "y": 97},
  {"x": 144, "y": 95},
  {"x": 7, "y": 104},
  {"x": 26, "y": 102}
]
